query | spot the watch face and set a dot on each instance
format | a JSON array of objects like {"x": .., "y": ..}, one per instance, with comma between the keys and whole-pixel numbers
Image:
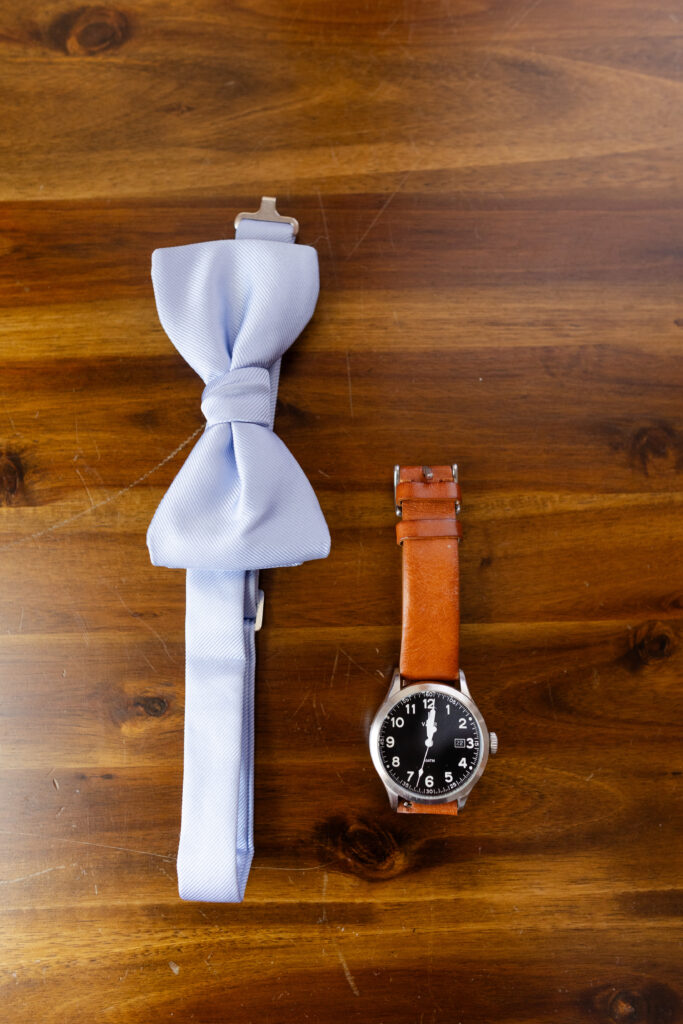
[{"x": 429, "y": 742}]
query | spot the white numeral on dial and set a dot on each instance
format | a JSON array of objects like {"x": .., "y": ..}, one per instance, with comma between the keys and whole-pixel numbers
[
  {"x": 390, "y": 741},
  {"x": 448, "y": 776},
  {"x": 397, "y": 723},
  {"x": 429, "y": 781},
  {"x": 462, "y": 763},
  {"x": 395, "y": 762},
  {"x": 462, "y": 724}
]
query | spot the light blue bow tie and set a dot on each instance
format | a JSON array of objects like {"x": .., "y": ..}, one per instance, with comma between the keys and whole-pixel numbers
[{"x": 240, "y": 503}]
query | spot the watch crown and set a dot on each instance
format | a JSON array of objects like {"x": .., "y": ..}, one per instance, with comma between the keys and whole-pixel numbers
[{"x": 493, "y": 743}]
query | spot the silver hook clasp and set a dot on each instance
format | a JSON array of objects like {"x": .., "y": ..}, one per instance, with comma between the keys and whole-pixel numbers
[{"x": 267, "y": 211}]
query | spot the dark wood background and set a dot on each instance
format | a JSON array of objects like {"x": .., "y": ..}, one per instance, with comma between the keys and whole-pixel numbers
[{"x": 494, "y": 190}]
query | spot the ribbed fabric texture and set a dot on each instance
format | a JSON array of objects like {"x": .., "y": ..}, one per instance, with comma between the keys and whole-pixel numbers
[{"x": 240, "y": 503}]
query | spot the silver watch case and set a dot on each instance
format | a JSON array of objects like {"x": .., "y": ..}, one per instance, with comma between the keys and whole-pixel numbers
[{"x": 398, "y": 692}]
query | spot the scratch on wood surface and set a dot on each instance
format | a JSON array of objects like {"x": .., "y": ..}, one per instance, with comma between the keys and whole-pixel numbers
[
  {"x": 328, "y": 927},
  {"x": 272, "y": 867},
  {"x": 323, "y": 916},
  {"x": 348, "y": 376},
  {"x": 524, "y": 12},
  {"x": 82, "y": 479},
  {"x": 105, "y": 501},
  {"x": 163, "y": 869},
  {"x": 377, "y": 216},
  {"x": 34, "y": 874},
  {"x": 335, "y": 942},
  {"x": 86, "y": 638},
  {"x": 354, "y": 662},
  {"x": 347, "y": 972},
  {"x": 142, "y": 622},
  {"x": 334, "y": 667},
  {"x": 385, "y": 31},
  {"x": 507, "y": 29},
  {"x": 326, "y": 233},
  {"x": 153, "y": 667},
  {"x": 4, "y": 405},
  {"x": 82, "y": 842},
  {"x": 301, "y": 704}
]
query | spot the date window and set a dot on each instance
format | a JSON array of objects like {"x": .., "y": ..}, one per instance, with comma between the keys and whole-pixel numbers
[{"x": 458, "y": 742}]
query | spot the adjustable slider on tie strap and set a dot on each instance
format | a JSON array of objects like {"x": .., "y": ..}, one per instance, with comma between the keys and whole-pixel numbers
[
  {"x": 267, "y": 211},
  {"x": 258, "y": 621}
]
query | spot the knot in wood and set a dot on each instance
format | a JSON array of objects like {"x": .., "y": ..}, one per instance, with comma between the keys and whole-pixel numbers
[
  {"x": 91, "y": 30},
  {"x": 655, "y": 1004},
  {"x": 11, "y": 478},
  {"x": 627, "y": 1007},
  {"x": 153, "y": 706},
  {"x": 653, "y": 642},
  {"x": 651, "y": 1003},
  {"x": 655, "y": 447},
  {"x": 367, "y": 848}
]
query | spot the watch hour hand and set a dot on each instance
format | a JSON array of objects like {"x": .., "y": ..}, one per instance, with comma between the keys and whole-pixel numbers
[{"x": 431, "y": 727}]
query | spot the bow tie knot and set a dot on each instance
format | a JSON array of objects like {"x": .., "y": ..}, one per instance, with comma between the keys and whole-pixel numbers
[{"x": 241, "y": 395}]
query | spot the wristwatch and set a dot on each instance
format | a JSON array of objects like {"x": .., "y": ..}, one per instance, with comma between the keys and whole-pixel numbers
[{"x": 428, "y": 740}]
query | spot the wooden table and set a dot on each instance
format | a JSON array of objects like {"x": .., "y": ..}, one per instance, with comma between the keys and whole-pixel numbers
[{"x": 494, "y": 190}]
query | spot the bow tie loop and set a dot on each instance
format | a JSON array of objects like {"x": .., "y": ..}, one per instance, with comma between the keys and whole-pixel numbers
[{"x": 240, "y": 395}]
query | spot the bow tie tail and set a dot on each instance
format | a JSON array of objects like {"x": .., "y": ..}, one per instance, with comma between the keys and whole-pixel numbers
[{"x": 219, "y": 737}]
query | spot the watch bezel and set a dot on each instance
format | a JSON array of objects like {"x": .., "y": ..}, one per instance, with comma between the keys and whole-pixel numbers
[{"x": 395, "y": 697}]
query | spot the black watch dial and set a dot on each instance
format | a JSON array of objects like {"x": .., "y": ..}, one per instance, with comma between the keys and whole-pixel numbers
[{"x": 429, "y": 743}]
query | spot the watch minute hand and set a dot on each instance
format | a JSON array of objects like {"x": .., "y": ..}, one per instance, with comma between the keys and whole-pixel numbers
[{"x": 431, "y": 726}]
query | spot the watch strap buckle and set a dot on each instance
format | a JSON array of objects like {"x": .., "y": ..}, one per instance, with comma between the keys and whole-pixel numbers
[{"x": 428, "y": 482}]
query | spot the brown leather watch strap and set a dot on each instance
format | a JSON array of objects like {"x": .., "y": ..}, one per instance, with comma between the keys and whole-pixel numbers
[
  {"x": 428, "y": 498},
  {"x": 411, "y": 807}
]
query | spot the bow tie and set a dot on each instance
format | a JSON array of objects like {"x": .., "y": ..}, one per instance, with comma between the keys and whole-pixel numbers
[
  {"x": 239, "y": 503},
  {"x": 232, "y": 308}
]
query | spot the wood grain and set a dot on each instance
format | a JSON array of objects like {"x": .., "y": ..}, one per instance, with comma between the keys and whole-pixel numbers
[{"x": 494, "y": 191}]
